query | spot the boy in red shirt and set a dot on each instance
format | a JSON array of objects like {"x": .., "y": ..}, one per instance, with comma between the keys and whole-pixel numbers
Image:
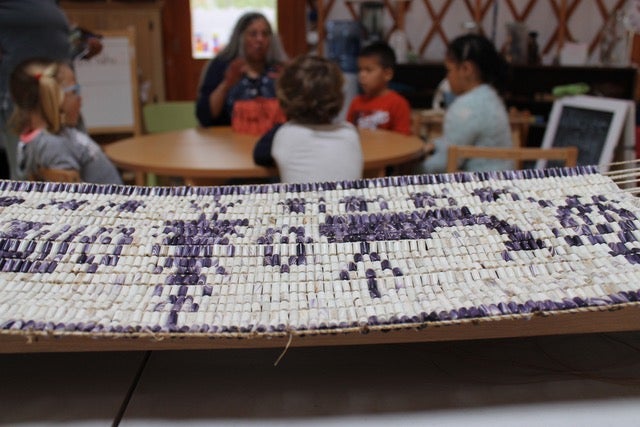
[{"x": 379, "y": 107}]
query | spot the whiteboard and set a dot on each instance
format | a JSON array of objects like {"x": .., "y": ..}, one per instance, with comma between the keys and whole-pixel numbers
[{"x": 109, "y": 85}]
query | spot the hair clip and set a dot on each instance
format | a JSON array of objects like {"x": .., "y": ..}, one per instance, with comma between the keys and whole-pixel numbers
[{"x": 37, "y": 76}]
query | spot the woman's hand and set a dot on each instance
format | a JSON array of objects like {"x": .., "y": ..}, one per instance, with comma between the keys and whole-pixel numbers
[
  {"x": 234, "y": 71},
  {"x": 232, "y": 76}
]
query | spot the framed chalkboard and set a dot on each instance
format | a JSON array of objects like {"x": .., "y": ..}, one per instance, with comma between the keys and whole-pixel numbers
[
  {"x": 593, "y": 124},
  {"x": 110, "y": 101}
]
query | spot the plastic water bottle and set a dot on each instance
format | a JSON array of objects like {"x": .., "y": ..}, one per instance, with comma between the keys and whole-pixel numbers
[
  {"x": 400, "y": 45},
  {"x": 343, "y": 43}
]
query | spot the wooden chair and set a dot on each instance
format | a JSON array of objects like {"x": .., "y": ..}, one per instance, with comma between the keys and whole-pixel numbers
[
  {"x": 427, "y": 123},
  {"x": 457, "y": 153},
  {"x": 520, "y": 122},
  {"x": 56, "y": 175}
]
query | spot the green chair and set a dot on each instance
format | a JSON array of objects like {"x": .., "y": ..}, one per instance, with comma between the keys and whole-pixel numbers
[
  {"x": 169, "y": 115},
  {"x": 165, "y": 117}
]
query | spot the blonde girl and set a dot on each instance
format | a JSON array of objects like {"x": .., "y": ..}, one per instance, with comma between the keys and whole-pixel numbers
[{"x": 46, "y": 112}]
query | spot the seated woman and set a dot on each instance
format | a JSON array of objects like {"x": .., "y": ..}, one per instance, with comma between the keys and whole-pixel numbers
[
  {"x": 477, "y": 116},
  {"x": 246, "y": 68},
  {"x": 310, "y": 147},
  {"x": 46, "y": 112}
]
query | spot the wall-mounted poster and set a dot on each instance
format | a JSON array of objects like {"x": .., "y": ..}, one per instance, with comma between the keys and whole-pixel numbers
[{"x": 212, "y": 22}]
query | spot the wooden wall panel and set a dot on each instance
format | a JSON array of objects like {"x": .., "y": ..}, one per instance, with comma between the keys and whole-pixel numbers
[
  {"x": 182, "y": 71},
  {"x": 292, "y": 26}
]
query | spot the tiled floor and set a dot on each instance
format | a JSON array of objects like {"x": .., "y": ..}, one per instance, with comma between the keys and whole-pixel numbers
[{"x": 534, "y": 380}]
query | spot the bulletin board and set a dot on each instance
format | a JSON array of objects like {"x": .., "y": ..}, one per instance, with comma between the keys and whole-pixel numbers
[{"x": 110, "y": 86}]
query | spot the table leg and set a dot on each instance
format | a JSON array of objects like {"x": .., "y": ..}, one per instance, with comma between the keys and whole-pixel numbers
[
  {"x": 141, "y": 178},
  {"x": 374, "y": 173}
]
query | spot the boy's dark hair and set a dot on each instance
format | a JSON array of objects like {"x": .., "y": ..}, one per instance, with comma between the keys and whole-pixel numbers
[
  {"x": 480, "y": 51},
  {"x": 382, "y": 51},
  {"x": 310, "y": 90}
]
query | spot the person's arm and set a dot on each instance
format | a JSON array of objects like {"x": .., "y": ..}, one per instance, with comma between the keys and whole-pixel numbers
[
  {"x": 212, "y": 81},
  {"x": 437, "y": 160},
  {"x": 217, "y": 98},
  {"x": 459, "y": 129},
  {"x": 214, "y": 74},
  {"x": 262, "y": 151},
  {"x": 231, "y": 75}
]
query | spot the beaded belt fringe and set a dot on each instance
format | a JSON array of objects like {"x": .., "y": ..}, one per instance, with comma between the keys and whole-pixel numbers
[{"x": 303, "y": 258}]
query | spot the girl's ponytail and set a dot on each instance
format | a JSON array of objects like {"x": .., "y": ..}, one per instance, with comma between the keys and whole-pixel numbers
[
  {"x": 51, "y": 97},
  {"x": 34, "y": 87}
]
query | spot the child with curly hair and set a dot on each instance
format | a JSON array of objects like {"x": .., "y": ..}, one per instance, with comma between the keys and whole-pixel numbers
[{"x": 310, "y": 146}]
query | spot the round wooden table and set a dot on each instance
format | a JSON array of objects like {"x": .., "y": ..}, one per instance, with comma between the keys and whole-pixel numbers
[{"x": 218, "y": 153}]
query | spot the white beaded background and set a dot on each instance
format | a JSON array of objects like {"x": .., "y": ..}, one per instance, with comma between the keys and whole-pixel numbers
[{"x": 261, "y": 259}]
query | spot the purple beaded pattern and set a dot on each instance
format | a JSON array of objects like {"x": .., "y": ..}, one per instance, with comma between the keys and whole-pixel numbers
[{"x": 305, "y": 257}]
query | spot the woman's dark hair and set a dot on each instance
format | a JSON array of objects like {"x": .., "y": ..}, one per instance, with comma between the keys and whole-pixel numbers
[
  {"x": 480, "y": 51},
  {"x": 310, "y": 90}
]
